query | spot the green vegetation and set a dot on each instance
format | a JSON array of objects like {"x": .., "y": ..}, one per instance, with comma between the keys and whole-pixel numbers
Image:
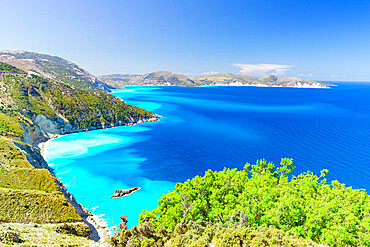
[
  {"x": 9, "y": 126},
  {"x": 32, "y": 179},
  {"x": 10, "y": 69},
  {"x": 24, "y": 205},
  {"x": 32, "y": 235},
  {"x": 11, "y": 156},
  {"x": 234, "y": 207},
  {"x": 28, "y": 194},
  {"x": 81, "y": 108}
]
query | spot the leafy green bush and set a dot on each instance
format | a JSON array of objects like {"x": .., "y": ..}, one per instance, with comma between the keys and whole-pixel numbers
[{"x": 229, "y": 205}]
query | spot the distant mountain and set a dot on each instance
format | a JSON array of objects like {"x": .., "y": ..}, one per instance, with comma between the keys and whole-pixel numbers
[
  {"x": 164, "y": 78},
  {"x": 228, "y": 79},
  {"x": 53, "y": 67},
  {"x": 159, "y": 78}
]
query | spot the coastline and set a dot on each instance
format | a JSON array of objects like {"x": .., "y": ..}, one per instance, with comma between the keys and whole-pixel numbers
[
  {"x": 100, "y": 231},
  {"x": 229, "y": 85}
]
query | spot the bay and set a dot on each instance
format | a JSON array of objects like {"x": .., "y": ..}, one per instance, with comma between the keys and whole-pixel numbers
[{"x": 212, "y": 128}]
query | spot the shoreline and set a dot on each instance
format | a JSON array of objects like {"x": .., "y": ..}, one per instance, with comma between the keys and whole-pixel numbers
[
  {"x": 100, "y": 230},
  {"x": 228, "y": 85}
]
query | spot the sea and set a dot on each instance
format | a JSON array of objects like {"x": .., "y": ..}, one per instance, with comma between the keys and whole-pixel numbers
[{"x": 212, "y": 128}]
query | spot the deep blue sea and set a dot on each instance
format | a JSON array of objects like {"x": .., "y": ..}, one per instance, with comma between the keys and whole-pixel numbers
[{"x": 212, "y": 128}]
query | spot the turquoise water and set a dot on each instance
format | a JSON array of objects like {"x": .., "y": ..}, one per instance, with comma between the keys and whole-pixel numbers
[{"x": 210, "y": 128}]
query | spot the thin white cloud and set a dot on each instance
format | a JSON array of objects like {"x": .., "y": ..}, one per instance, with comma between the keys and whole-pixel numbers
[
  {"x": 263, "y": 69},
  {"x": 209, "y": 73},
  {"x": 304, "y": 75},
  {"x": 334, "y": 76}
]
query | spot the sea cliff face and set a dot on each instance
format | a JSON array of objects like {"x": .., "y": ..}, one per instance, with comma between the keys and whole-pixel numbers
[
  {"x": 46, "y": 128},
  {"x": 32, "y": 155}
]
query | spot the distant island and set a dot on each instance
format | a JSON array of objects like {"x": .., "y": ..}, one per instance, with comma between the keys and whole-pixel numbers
[{"x": 166, "y": 78}]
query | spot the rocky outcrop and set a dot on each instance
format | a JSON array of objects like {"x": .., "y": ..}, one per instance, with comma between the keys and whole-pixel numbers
[
  {"x": 33, "y": 135},
  {"x": 46, "y": 128},
  {"x": 123, "y": 225},
  {"x": 124, "y": 192},
  {"x": 80, "y": 209},
  {"x": 53, "y": 125},
  {"x": 33, "y": 155}
]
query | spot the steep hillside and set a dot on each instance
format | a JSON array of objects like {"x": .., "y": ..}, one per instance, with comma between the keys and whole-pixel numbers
[
  {"x": 29, "y": 194},
  {"x": 159, "y": 78},
  {"x": 228, "y": 79},
  {"x": 53, "y": 67},
  {"x": 45, "y": 107}
]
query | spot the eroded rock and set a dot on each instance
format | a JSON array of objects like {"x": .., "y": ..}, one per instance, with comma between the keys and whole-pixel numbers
[{"x": 124, "y": 192}]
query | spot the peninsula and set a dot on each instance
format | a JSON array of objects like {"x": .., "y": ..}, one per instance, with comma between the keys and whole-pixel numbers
[{"x": 165, "y": 78}]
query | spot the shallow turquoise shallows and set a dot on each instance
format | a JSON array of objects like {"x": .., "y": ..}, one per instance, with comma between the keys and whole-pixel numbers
[{"x": 212, "y": 128}]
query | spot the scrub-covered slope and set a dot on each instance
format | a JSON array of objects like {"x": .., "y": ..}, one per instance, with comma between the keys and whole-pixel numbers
[
  {"x": 45, "y": 107},
  {"x": 29, "y": 194},
  {"x": 53, "y": 67}
]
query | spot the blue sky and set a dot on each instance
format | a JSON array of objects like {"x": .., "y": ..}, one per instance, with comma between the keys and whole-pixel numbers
[{"x": 324, "y": 40}]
